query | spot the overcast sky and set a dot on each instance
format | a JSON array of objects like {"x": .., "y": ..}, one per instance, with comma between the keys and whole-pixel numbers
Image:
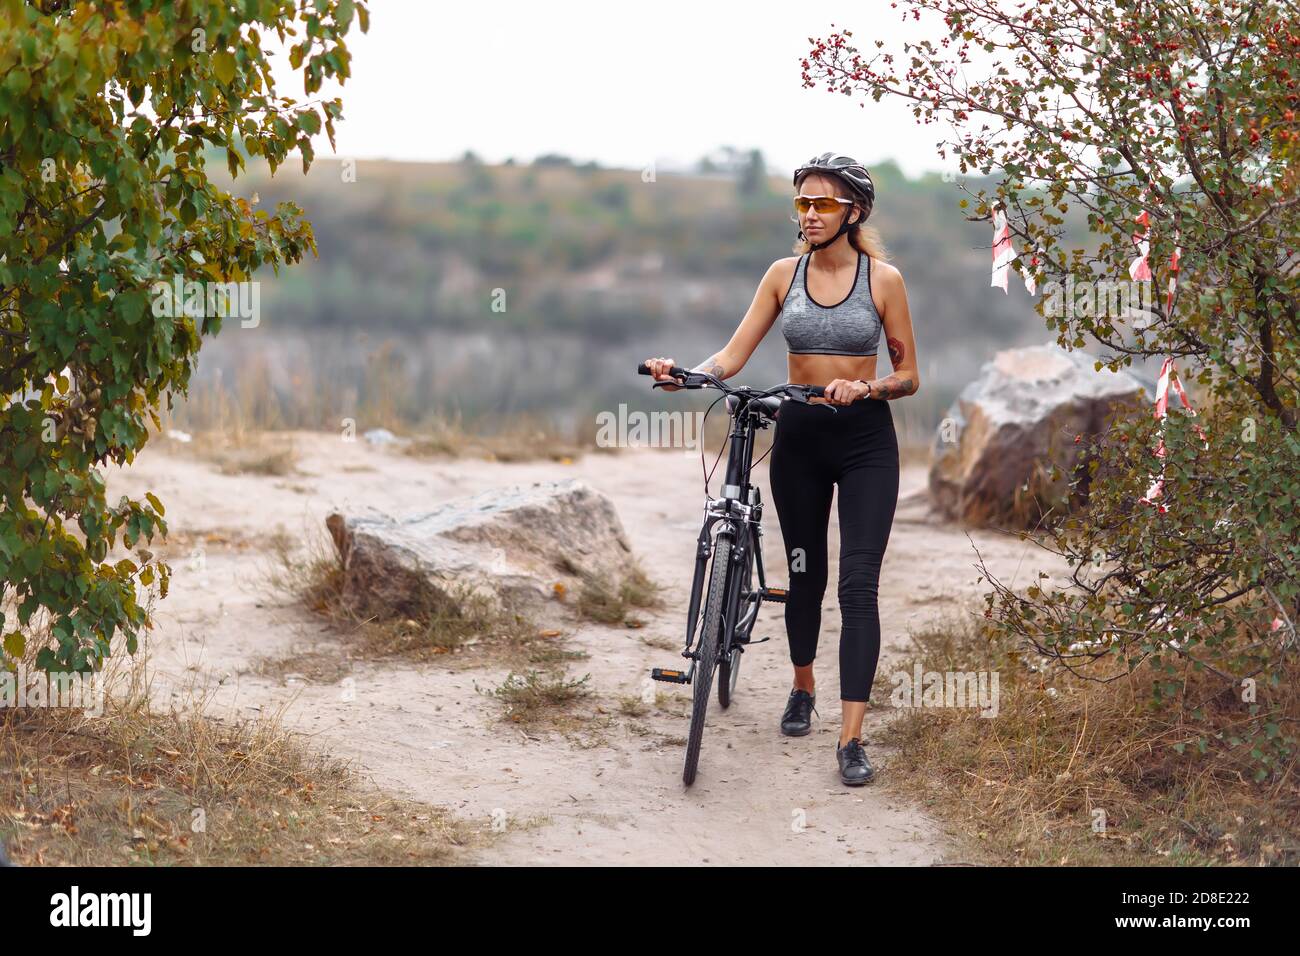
[{"x": 623, "y": 84}]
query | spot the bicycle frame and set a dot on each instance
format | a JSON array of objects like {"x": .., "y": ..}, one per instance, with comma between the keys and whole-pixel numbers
[{"x": 740, "y": 510}]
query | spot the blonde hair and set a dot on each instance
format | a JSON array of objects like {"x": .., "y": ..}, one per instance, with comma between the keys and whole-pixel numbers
[{"x": 866, "y": 239}]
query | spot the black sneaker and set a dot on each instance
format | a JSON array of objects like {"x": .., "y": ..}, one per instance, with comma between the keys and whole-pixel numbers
[
  {"x": 855, "y": 768},
  {"x": 797, "y": 719}
]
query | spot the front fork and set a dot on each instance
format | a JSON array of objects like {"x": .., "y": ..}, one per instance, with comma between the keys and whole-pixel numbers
[
  {"x": 703, "y": 548},
  {"x": 739, "y": 528}
]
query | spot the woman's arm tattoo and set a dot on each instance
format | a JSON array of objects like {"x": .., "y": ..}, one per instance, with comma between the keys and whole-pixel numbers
[
  {"x": 896, "y": 351},
  {"x": 711, "y": 366},
  {"x": 893, "y": 386}
]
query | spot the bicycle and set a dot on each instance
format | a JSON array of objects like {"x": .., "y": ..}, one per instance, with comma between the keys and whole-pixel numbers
[{"x": 732, "y": 604}]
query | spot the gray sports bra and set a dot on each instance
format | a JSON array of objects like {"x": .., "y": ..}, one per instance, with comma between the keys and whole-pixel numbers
[{"x": 850, "y": 327}]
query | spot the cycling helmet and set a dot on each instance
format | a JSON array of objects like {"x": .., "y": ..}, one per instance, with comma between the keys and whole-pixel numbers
[{"x": 853, "y": 174}]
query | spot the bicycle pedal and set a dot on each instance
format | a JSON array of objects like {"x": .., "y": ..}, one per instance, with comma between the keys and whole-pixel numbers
[
  {"x": 775, "y": 595},
  {"x": 670, "y": 676}
]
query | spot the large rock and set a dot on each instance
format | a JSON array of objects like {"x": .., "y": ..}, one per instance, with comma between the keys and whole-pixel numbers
[
  {"x": 1010, "y": 424},
  {"x": 510, "y": 545}
]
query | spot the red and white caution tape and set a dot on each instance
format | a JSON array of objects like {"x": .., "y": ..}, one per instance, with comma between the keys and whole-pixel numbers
[
  {"x": 1139, "y": 269},
  {"x": 1167, "y": 374},
  {"x": 1003, "y": 253},
  {"x": 1031, "y": 282}
]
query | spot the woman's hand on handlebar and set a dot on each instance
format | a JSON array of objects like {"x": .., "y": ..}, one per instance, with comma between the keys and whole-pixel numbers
[
  {"x": 843, "y": 391},
  {"x": 659, "y": 368}
]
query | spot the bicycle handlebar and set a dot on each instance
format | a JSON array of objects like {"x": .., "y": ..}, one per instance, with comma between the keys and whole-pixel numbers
[
  {"x": 676, "y": 371},
  {"x": 692, "y": 379}
]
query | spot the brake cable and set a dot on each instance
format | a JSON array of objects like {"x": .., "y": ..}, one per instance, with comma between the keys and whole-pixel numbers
[{"x": 708, "y": 476}]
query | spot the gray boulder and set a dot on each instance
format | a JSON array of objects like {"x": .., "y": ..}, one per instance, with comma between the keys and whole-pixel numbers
[
  {"x": 992, "y": 454},
  {"x": 509, "y": 546}
]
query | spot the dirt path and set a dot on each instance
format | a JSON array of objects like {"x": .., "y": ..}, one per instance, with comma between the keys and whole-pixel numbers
[{"x": 422, "y": 731}]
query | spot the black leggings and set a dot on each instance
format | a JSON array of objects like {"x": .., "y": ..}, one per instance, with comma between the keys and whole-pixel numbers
[{"x": 854, "y": 446}]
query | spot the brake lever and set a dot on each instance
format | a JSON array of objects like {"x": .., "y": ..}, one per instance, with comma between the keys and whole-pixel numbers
[
  {"x": 801, "y": 395},
  {"x": 691, "y": 380},
  {"x": 685, "y": 383}
]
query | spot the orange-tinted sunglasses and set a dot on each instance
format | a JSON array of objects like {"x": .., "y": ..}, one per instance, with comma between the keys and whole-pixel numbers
[{"x": 823, "y": 204}]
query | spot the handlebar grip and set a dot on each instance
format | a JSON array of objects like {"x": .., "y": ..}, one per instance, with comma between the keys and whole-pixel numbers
[
  {"x": 676, "y": 371},
  {"x": 817, "y": 391}
]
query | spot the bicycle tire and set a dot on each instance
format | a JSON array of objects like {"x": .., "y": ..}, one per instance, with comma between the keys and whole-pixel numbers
[
  {"x": 710, "y": 638},
  {"x": 729, "y": 666}
]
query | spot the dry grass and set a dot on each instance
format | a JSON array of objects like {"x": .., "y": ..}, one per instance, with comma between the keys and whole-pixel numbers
[
  {"x": 225, "y": 418},
  {"x": 138, "y": 787},
  {"x": 280, "y": 462},
  {"x": 629, "y": 706},
  {"x": 540, "y": 698},
  {"x": 521, "y": 438},
  {"x": 610, "y": 599},
  {"x": 1031, "y": 784},
  {"x": 433, "y": 627},
  {"x": 238, "y": 451}
]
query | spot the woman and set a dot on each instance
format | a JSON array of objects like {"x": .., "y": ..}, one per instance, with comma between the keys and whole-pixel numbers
[{"x": 833, "y": 299}]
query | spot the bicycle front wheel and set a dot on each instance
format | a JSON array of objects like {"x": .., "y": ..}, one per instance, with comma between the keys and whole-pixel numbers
[
  {"x": 710, "y": 642},
  {"x": 729, "y": 664}
]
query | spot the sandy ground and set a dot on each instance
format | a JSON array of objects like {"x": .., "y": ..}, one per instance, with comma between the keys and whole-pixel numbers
[{"x": 611, "y": 796}]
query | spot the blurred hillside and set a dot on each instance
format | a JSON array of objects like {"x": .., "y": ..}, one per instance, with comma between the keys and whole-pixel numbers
[{"x": 498, "y": 289}]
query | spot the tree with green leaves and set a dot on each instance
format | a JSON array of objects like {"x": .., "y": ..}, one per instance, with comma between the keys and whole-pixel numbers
[
  {"x": 1172, "y": 124},
  {"x": 108, "y": 111}
]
